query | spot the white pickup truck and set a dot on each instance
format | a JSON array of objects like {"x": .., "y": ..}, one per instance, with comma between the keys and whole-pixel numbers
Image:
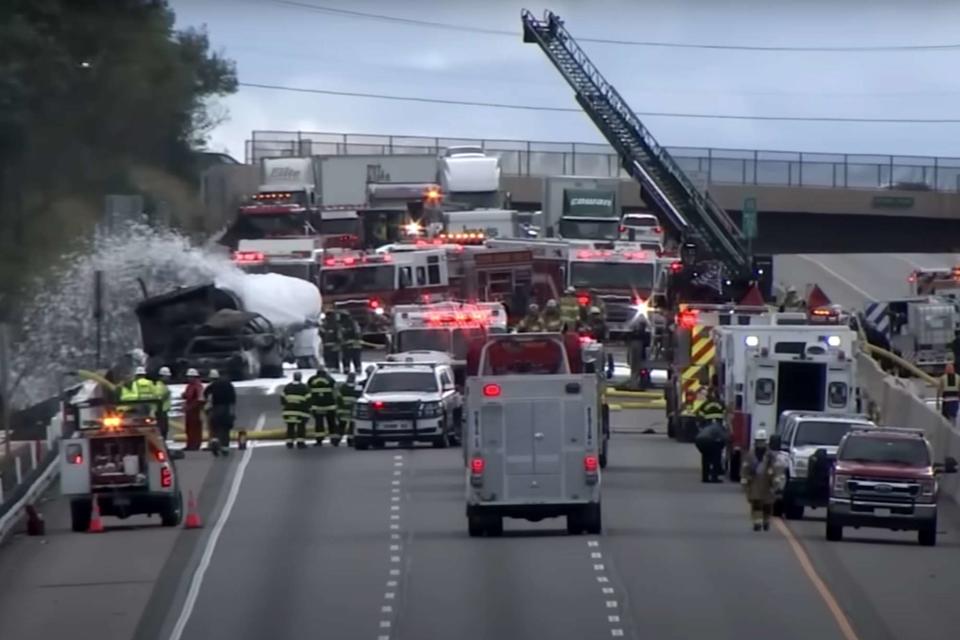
[{"x": 533, "y": 434}]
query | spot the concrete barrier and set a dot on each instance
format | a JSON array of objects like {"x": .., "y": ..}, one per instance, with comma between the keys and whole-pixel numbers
[{"x": 899, "y": 405}]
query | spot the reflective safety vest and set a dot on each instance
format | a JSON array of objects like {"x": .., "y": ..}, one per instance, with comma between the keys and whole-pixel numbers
[
  {"x": 350, "y": 335},
  {"x": 322, "y": 393},
  {"x": 570, "y": 309},
  {"x": 163, "y": 392},
  {"x": 552, "y": 322},
  {"x": 711, "y": 410},
  {"x": 530, "y": 325},
  {"x": 347, "y": 395},
  {"x": 331, "y": 337},
  {"x": 138, "y": 389},
  {"x": 951, "y": 386},
  {"x": 295, "y": 401}
]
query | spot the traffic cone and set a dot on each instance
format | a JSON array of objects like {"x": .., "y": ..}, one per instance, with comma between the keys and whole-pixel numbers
[
  {"x": 96, "y": 523},
  {"x": 192, "y": 521}
]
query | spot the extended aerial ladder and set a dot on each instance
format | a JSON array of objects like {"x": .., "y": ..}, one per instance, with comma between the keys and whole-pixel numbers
[{"x": 692, "y": 216}]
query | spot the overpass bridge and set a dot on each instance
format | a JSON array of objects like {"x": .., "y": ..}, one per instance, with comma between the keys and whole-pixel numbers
[{"x": 807, "y": 202}]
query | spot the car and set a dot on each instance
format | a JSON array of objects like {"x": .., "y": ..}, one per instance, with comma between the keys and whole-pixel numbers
[
  {"x": 408, "y": 402},
  {"x": 886, "y": 478},
  {"x": 808, "y": 444}
]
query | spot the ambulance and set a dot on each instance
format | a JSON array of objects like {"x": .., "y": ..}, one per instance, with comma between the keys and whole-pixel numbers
[
  {"x": 446, "y": 327},
  {"x": 777, "y": 334}
]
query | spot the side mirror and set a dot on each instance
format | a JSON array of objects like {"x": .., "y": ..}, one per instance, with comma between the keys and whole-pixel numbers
[{"x": 949, "y": 465}]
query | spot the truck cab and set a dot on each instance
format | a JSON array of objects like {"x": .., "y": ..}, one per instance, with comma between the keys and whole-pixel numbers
[
  {"x": 532, "y": 434},
  {"x": 117, "y": 457}
]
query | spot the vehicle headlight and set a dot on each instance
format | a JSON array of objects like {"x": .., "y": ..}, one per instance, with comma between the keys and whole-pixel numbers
[
  {"x": 800, "y": 467},
  {"x": 430, "y": 409},
  {"x": 840, "y": 481},
  {"x": 361, "y": 410},
  {"x": 928, "y": 488}
]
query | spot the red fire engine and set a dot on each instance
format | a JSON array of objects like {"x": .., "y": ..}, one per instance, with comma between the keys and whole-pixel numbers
[{"x": 280, "y": 214}]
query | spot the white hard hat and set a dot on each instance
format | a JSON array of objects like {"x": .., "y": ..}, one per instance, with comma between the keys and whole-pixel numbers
[
  {"x": 140, "y": 371},
  {"x": 193, "y": 373},
  {"x": 214, "y": 374},
  {"x": 165, "y": 371},
  {"x": 760, "y": 435},
  {"x": 594, "y": 310}
]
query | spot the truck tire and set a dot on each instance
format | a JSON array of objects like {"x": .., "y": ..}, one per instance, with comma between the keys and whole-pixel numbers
[
  {"x": 443, "y": 441},
  {"x": 791, "y": 509},
  {"x": 592, "y": 519},
  {"x": 494, "y": 526},
  {"x": 603, "y": 454},
  {"x": 475, "y": 526},
  {"x": 360, "y": 444},
  {"x": 574, "y": 523},
  {"x": 80, "y": 511},
  {"x": 735, "y": 463},
  {"x": 671, "y": 427},
  {"x": 172, "y": 512},
  {"x": 834, "y": 530},
  {"x": 927, "y": 535}
]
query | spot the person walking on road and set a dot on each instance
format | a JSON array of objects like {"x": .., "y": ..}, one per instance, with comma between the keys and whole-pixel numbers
[
  {"x": 949, "y": 393},
  {"x": 221, "y": 399},
  {"x": 760, "y": 478},
  {"x": 193, "y": 402},
  {"x": 295, "y": 401},
  {"x": 323, "y": 403},
  {"x": 347, "y": 394},
  {"x": 331, "y": 341},
  {"x": 162, "y": 387},
  {"x": 351, "y": 342},
  {"x": 712, "y": 438}
]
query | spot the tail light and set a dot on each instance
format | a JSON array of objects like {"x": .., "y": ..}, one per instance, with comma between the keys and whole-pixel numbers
[
  {"x": 658, "y": 230},
  {"x": 75, "y": 454},
  {"x": 161, "y": 456},
  {"x": 377, "y": 404},
  {"x": 491, "y": 390},
  {"x": 166, "y": 477},
  {"x": 676, "y": 267},
  {"x": 591, "y": 467},
  {"x": 374, "y": 303},
  {"x": 477, "y": 466}
]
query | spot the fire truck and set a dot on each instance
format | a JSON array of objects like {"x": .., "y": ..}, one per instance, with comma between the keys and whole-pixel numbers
[
  {"x": 621, "y": 278},
  {"x": 446, "y": 327},
  {"x": 283, "y": 214},
  {"x": 935, "y": 282}
]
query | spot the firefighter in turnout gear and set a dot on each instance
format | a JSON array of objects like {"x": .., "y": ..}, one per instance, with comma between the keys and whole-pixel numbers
[
  {"x": 323, "y": 403},
  {"x": 296, "y": 411},
  {"x": 597, "y": 325},
  {"x": 331, "y": 340},
  {"x": 552, "y": 320},
  {"x": 351, "y": 342},
  {"x": 712, "y": 438},
  {"x": 762, "y": 477},
  {"x": 347, "y": 394},
  {"x": 570, "y": 309},
  {"x": 531, "y": 322}
]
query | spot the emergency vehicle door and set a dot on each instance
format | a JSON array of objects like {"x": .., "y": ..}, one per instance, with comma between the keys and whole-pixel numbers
[
  {"x": 841, "y": 398},
  {"x": 763, "y": 395},
  {"x": 75, "y": 466}
]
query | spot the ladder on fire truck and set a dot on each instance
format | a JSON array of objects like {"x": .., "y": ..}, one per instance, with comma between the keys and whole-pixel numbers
[{"x": 693, "y": 216}]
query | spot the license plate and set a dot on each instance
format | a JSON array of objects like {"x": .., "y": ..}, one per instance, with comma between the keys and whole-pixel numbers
[
  {"x": 881, "y": 512},
  {"x": 121, "y": 501},
  {"x": 389, "y": 426}
]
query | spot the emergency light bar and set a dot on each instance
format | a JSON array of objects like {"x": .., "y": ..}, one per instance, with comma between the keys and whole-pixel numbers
[
  {"x": 587, "y": 254},
  {"x": 248, "y": 257},
  {"x": 463, "y": 237},
  {"x": 353, "y": 260},
  {"x": 273, "y": 195}
]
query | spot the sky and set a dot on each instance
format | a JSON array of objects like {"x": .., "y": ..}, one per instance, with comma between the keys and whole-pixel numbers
[{"x": 298, "y": 44}]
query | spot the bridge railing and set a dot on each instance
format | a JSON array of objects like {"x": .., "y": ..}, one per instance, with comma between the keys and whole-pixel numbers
[{"x": 715, "y": 166}]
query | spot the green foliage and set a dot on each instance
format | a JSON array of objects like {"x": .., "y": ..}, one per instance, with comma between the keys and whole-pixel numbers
[{"x": 91, "y": 93}]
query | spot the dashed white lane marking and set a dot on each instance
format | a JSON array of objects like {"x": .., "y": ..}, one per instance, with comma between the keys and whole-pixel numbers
[
  {"x": 197, "y": 580},
  {"x": 389, "y": 596},
  {"x": 608, "y": 592}
]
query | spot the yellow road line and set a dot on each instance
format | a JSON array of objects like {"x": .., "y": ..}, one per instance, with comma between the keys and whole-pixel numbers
[{"x": 838, "y": 615}]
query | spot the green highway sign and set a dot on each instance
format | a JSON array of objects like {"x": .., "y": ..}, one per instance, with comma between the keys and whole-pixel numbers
[{"x": 749, "y": 222}]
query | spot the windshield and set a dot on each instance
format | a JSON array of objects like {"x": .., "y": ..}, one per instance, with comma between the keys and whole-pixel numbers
[
  {"x": 454, "y": 342},
  {"x": 357, "y": 279},
  {"x": 906, "y": 451},
  {"x": 622, "y": 275},
  {"x": 344, "y": 226},
  {"x": 400, "y": 381},
  {"x": 828, "y": 434},
  {"x": 590, "y": 230},
  {"x": 640, "y": 222}
]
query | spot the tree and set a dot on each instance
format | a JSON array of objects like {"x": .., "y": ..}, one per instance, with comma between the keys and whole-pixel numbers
[{"x": 91, "y": 94}]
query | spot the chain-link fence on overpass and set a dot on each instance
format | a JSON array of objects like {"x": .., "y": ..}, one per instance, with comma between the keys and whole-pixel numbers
[{"x": 720, "y": 166}]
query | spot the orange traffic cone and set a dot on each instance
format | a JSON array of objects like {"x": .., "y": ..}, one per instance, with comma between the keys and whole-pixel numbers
[
  {"x": 192, "y": 521},
  {"x": 96, "y": 523}
]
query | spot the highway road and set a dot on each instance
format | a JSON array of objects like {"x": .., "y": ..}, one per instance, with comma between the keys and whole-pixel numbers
[{"x": 345, "y": 544}]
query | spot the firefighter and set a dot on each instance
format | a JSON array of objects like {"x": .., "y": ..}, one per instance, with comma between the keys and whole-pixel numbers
[
  {"x": 139, "y": 389},
  {"x": 296, "y": 399},
  {"x": 531, "y": 323},
  {"x": 323, "y": 403},
  {"x": 597, "y": 325},
  {"x": 712, "y": 437},
  {"x": 166, "y": 398},
  {"x": 331, "y": 340},
  {"x": 351, "y": 342},
  {"x": 949, "y": 393},
  {"x": 347, "y": 394},
  {"x": 762, "y": 477},
  {"x": 221, "y": 399},
  {"x": 552, "y": 320},
  {"x": 570, "y": 309}
]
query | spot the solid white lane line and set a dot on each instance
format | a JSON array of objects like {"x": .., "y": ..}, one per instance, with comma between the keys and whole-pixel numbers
[
  {"x": 197, "y": 581},
  {"x": 839, "y": 277}
]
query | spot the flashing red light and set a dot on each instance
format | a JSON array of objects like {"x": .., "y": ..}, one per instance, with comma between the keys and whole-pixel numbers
[
  {"x": 912, "y": 277},
  {"x": 161, "y": 456},
  {"x": 687, "y": 319},
  {"x": 374, "y": 303},
  {"x": 330, "y": 262},
  {"x": 377, "y": 404},
  {"x": 77, "y": 459},
  {"x": 583, "y": 253},
  {"x": 658, "y": 230},
  {"x": 583, "y": 300},
  {"x": 591, "y": 463},
  {"x": 491, "y": 390},
  {"x": 426, "y": 298},
  {"x": 477, "y": 465},
  {"x": 585, "y": 339},
  {"x": 387, "y": 257},
  {"x": 166, "y": 477},
  {"x": 622, "y": 228},
  {"x": 349, "y": 260},
  {"x": 248, "y": 257},
  {"x": 676, "y": 267}
]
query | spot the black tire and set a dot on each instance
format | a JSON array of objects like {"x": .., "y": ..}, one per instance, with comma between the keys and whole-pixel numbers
[
  {"x": 603, "y": 454},
  {"x": 834, "y": 530},
  {"x": 443, "y": 441},
  {"x": 80, "y": 511},
  {"x": 494, "y": 526},
  {"x": 360, "y": 444},
  {"x": 927, "y": 535},
  {"x": 671, "y": 427},
  {"x": 380, "y": 444},
  {"x": 574, "y": 524},
  {"x": 592, "y": 519},
  {"x": 792, "y": 510},
  {"x": 172, "y": 513},
  {"x": 475, "y": 526},
  {"x": 778, "y": 508},
  {"x": 735, "y": 462}
]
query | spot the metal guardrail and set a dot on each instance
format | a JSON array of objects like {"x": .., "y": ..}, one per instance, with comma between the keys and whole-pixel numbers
[{"x": 717, "y": 166}]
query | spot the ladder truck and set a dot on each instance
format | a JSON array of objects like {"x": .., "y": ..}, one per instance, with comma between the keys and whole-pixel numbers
[{"x": 717, "y": 266}]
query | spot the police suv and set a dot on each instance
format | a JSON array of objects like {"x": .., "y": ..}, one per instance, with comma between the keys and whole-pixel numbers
[{"x": 409, "y": 401}]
